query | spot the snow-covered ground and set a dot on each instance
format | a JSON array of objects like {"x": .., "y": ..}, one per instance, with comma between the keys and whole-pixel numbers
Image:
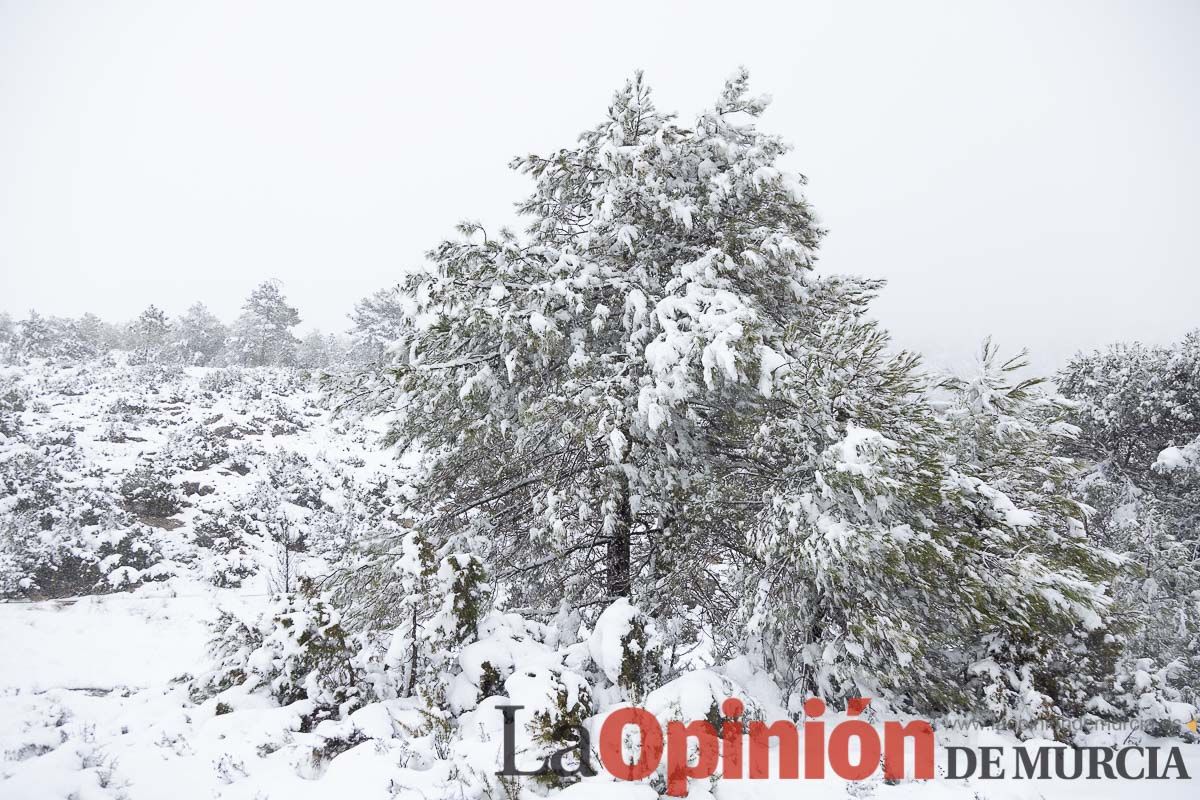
[
  {"x": 81, "y": 717},
  {"x": 94, "y": 694},
  {"x": 102, "y": 644}
]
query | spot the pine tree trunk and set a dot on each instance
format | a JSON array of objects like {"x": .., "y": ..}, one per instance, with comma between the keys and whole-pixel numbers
[
  {"x": 412, "y": 659},
  {"x": 617, "y": 561}
]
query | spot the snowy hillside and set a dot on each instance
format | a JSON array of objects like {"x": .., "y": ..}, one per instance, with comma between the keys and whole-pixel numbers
[{"x": 211, "y": 475}]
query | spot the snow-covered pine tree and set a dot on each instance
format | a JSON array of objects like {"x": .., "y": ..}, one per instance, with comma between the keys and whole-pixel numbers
[
  {"x": 150, "y": 336},
  {"x": 70, "y": 342},
  {"x": 1135, "y": 400},
  {"x": 35, "y": 337},
  {"x": 39, "y": 336},
  {"x": 652, "y": 393},
  {"x": 379, "y": 320},
  {"x": 1138, "y": 408},
  {"x": 98, "y": 335},
  {"x": 573, "y": 386},
  {"x": 262, "y": 335},
  {"x": 320, "y": 351},
  {"x": 199, "y": 336},
  {"x": 1010, "y": 432}
]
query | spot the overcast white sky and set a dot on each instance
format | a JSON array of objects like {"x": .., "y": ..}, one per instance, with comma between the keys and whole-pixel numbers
[{"x": 1028, "y": 170}]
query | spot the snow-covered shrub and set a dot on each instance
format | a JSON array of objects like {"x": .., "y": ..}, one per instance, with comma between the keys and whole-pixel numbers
[
  {"x": 217, "y": 382},
  {"x": 62, "y": 532},
  {"x": 285, "y": 382},
  {"x": 148, "y": 492},
  {"x": 30, "y": 483},
  {"x": 220, "y": 528},
  {"x": 241, "y": 459},
  {"x": 443, "y": 607},
  {"x": 506, "y": 643},
  {"x": 58, "y": 440},
  {"x": 69, "y": 560},
  {"x": 331, "y": 532},
  {"x": 194, "y": 447},
  {"x": 699, "y": 694},
  {"x": 232, "y": 559},
  {"x": 466, "y": 580},
  {"x": 129, "y": 556},
  {"x": 295, "y": 478},
  {"x": 68, "y": 382},
  {"x": 274, "y": 517},
  {"x": 128, "y": 408},
  {"x": 13, "y": 400},
  {"x": 1150, "y": 697},
  {"x": 279, "y": 418},
  {"x": 411, "y": 573},
  {"x": 296, "y": 650},
  {"x": 307, "y": 654},
  {"x": 114, "y": 431},
  {"x": 626, "y": 649},
  {"x": 54, "y": 484},
  {"x": 158, "y": 378},
  {"x": 39, "y": 563},
  {"x": 558, "y": 702},
  {"x": 233, "y": 640}
]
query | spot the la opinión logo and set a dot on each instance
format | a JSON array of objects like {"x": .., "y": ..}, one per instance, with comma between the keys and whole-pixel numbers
[{"x": 742, "y": 749}]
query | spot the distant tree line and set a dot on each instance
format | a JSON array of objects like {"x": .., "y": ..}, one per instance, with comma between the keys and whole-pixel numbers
[{"x": 262, "y": 335}]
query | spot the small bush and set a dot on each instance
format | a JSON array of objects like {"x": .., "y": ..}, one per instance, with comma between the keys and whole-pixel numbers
[
  {"x": 148, "y": 493},
  {"x": 194, "y": 447},
  {"x": 224, "y": 534},
  {"x": 127, "y": 408},
  {"x": 297, "y": 650},
  {"x": 295, "y": 478},
  {"x": 233, "y": 641},
  {"x": 626, "y": 647},
  {"x": 13, "y": 401}
]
